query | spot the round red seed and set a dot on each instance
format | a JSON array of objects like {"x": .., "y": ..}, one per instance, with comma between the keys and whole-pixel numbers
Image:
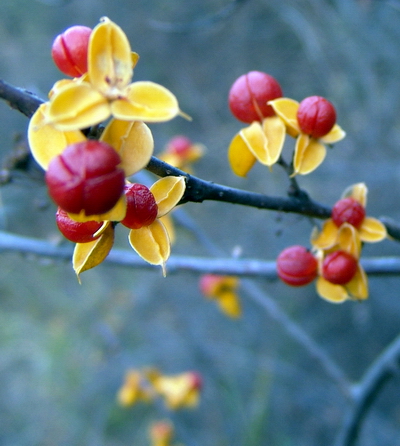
[
  {"x": 296, "y": 266},
  {"x": 348, "y": 210},
  {"x": 339, "y": 267},
  {"x": 86, "y": 177},
  {"x": 141, "y": 206},
  {"x": 316, "y": 116},
  {"x": 70, "y": 50},
  {"x": 77, "y": 232},
  {"x": 249, "y": 95}
]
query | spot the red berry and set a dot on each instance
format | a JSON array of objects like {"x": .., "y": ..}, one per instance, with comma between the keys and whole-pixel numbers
[
  {"x": 249, "y": 95},
  {"x": 141, "y": 206},
  {"x": 339, "y": 267},
  {"x": 316, "y": 116},
  {"x": 86, "y": 177},
  {"x": 179, "y": 145},
  {"x": 70, "y": 49},
  {"x": 297, "y": 266},
  {"x": 78, "y": 232},
  {"x": 348, "y": 210}
]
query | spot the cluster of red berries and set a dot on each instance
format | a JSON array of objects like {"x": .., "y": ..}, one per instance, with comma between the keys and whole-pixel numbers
[
  {"x": 86, "y": 176},
  {"x": 141, "y": 210},
  {"x": 249, "y": 96},
  {"x": 297, "y": 266}
]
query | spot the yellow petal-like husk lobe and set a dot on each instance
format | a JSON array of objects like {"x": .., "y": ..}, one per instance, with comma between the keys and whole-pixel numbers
[
  {"x": 45, "y": 141},
  {"x": 146, "y": 101},
  {"x": 151, "y": 243},
  {"x": 167, "y": 192},
  {"x": 133, "y": 141},
  {"x": 110, "y": 58},
  {"x": 77, "y": 106},
  {"x": 89, "y": 255},
  {"x": 309, "y": 154},
  {"x": 240, "y": 157}
]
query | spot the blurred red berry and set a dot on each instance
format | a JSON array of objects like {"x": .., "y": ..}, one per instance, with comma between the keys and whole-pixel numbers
[
  {"x": 141, "y": 206},
  {"x": 70, "y": 50},
  {"x": 339, "y": 267},
  {"x": 249, "y": 95},
  {"x": 297, "y": 266},
  {"x": 179, "y": 145},
  {"x": 78, "y": 232},
  {"x": 316, "y": 116},
  {"x": 86, "y": 177},
  {"x": 348, "y": 210}
]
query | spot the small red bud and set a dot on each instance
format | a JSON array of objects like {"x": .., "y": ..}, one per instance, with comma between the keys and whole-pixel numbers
[
  {"x": 316, "y": 116},
  {"x": 348, "y": 210},
  {"x": 78, "y": 232},
  {"x": 249, "y": 95},
  {"x": 70, "y": 50},
  {"x": 141, "y": 206},
  {"x": 297, "y": 266},
  {"x": 86, "y": 177},
  {"x": 339, "y": 267}
]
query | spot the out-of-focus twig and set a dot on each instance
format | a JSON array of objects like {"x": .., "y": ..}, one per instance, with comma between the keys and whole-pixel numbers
[
  {"x": 222, "y": 265},
  {"x": 385, "y": 367}
]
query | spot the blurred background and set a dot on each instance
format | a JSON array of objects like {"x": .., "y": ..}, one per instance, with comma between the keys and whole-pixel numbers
[{"x": 65, "y": 347}]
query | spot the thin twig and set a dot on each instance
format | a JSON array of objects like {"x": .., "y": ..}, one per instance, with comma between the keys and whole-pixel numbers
[
  {"x": 237, "y": 267},
  {"x": 385, "y": 367}
]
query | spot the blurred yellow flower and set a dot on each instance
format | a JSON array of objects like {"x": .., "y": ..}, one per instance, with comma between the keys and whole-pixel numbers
[
  {"x": 161, "y": 433},
  {"x": 181, "y": 152},
  {"x": 222, "y": 289},
  {"x": 178, "y": 391},
  {"x": 134, "y": 389}
]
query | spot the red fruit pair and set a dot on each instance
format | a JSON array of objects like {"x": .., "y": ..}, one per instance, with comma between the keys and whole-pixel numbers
[
  {"x": 141, "y": 211},
  {"x": 296, "y": 266}
]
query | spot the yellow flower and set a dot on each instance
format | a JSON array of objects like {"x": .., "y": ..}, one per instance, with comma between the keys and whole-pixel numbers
[
  {"x": 222, "y": 289},
  {"x": 152, "y": 242},
  {"x": 348, "y": 240},
  {"x": 309, "y": 152},
  {"x": 369, "y": 229},
  {"x": 182, "y": 390},
  {"x": 261, "y": 141},
  {"x": 106, "y": 89},
  {"x": 133, "y": 389}
]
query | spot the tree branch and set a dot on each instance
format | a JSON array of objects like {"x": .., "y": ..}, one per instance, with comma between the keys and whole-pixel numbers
[
  {"x": 384, "y": 368},
  {"x": 237, "y": 267},
  {"x": 197, "y": 190},
  {"x": 19, "y": 99}
]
